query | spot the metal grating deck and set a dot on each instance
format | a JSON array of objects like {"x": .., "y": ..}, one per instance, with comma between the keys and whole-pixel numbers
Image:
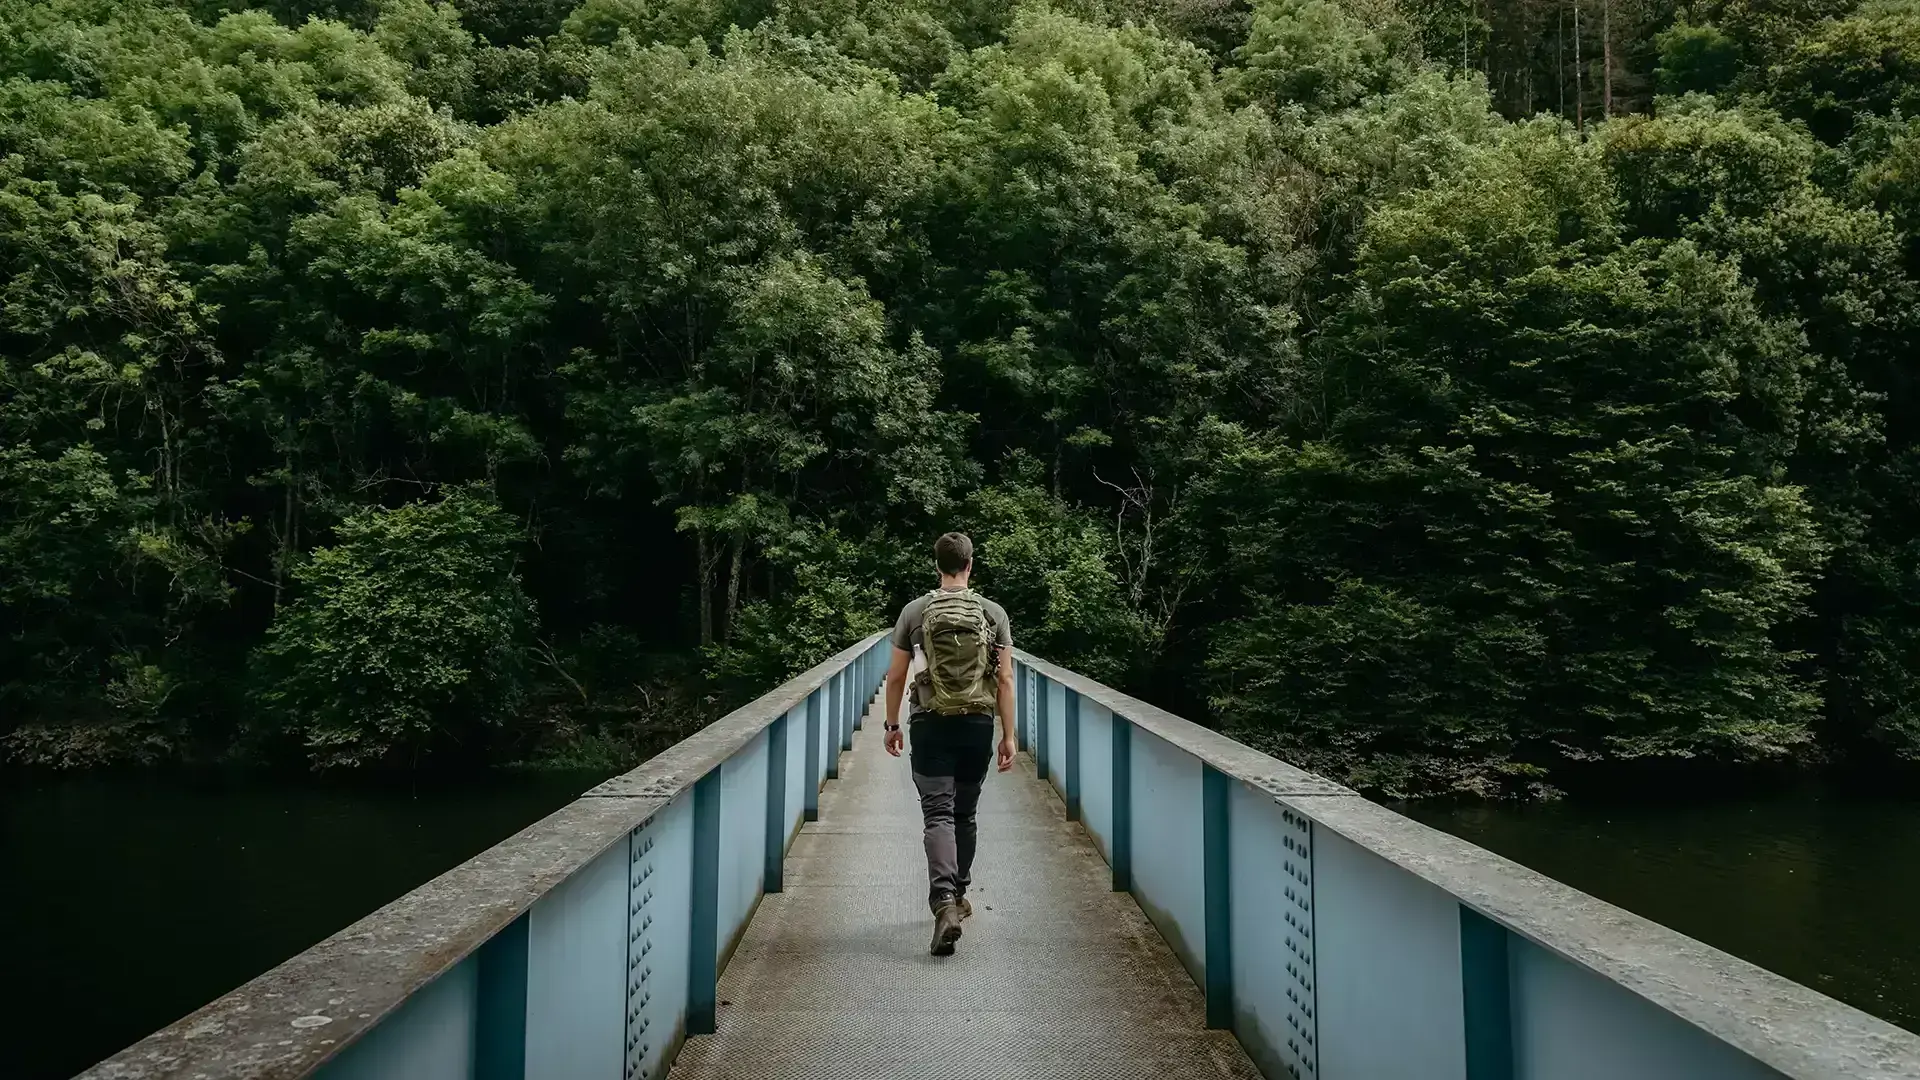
[{"x": 1056, "y": 977}]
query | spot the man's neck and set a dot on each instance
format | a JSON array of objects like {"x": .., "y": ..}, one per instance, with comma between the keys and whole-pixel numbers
[{"x": 953, "y": 584}]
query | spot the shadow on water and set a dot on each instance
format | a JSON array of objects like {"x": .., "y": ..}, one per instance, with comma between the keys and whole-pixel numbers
[
  {"x": 1818, "y": 885},
  {"x": 131, "y": 900}
]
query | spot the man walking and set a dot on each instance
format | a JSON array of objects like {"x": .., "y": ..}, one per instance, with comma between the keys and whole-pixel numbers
[{"x": 966, "y": 645}]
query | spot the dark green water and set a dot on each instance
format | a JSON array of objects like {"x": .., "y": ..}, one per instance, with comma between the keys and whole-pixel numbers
[
  {"x": 128, "y": 903},
  {"x": 1821, "y": 889}
]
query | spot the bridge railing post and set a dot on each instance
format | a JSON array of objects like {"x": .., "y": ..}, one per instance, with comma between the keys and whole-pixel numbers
[
  {"x": 1214, "y": 825},
  {"x": 810, "y": 809},
  {"x": 1120, "y": 848},
  {"x": 1022, "y": 701},
  {"x": 845, "y": 680},
  {"x": 500, "y": 1011},
  {"x": 1043, "y": 694},
  {"x": 1070, "y": 725},
  {"x": 703, "y": 975},
  {"x": 773, "y": 873},
  {"x": 830, "y": 724}
]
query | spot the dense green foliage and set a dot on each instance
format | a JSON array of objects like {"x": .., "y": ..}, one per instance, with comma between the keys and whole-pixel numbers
[{"x": 397, "y": 381}]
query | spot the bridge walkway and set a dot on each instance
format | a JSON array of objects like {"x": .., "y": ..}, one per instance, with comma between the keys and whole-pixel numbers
[{"x": 1056, "y": 976}]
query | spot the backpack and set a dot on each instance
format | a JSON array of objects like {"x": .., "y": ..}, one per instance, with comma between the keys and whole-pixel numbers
[{"x": 958, "y": 642}]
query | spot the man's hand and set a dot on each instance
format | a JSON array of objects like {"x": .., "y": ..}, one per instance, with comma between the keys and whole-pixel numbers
[
  {"x": 895, "y": 741},
  {"x": 1008, "y": 747}
]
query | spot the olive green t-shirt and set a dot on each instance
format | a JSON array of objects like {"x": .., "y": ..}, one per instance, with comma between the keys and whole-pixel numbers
[{"x": 906, "y": 636}]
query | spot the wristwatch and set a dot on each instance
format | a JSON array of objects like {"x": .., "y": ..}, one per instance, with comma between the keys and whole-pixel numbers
[{"x": 895, "y": 726}]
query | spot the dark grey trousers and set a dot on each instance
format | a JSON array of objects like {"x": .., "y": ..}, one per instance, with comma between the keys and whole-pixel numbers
[{"x": 951, "y": 755}]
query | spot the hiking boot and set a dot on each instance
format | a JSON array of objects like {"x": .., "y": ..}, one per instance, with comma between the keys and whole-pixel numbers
[
  {"x": 966, "y": 907},
  {"x": 946, "y": 929}
]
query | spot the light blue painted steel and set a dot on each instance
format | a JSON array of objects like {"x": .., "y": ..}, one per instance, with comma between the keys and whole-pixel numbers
[
  {"x": 576, "y": 964},
  {"x": 1055, "y": 736},
  {"x": 1486, "y": 998},
  {"x": 1388, "y": 958},
  {"x": 743, "y": 853},
  {"x": 1215, "y": 830},
  {"x": 796, "y": 771},
  {"x": 1120, "y": 855},
  {"x": 1168, "y": 870},
  {"x": 431, "y": 1037},
  {"x": 816, "y": 747},
  {"x": 1070, "y": 739},
  {"x": 1269, "y": 852},
  {"x": 1096, "y": 775},
  {"x": 1571, "y": 1024},
  {"x": 659, "y": 928},
  {"x": 778, "y": 826},
  {"x": 500, "y": 1025}
]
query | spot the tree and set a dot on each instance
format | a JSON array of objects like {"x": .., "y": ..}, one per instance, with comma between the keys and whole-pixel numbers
[
  {"x": 407, "y": 639},
  {"x": 1549, "y": 453}
]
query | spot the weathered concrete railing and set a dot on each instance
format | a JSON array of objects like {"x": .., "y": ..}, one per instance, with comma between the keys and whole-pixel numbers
[
  {"x": 1338, "y": 939},
  {"x": 588, "y": 945}
]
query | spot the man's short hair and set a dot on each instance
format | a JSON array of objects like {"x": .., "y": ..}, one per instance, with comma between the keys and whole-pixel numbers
[{"x": 952, "y": 553}]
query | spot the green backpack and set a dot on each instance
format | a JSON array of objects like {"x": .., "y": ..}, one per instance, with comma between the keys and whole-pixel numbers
[{"x": 958, "y": 642}]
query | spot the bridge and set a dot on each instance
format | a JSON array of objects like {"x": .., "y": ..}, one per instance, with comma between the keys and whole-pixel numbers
[{"x": 1153, "y": 900}]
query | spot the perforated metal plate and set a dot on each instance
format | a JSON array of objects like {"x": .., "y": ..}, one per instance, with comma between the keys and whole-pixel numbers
[
  {"x": 641, "y": 1035},
  {"x": 1056, "y": 976},
  {"x": 1301, "y": 1054}
]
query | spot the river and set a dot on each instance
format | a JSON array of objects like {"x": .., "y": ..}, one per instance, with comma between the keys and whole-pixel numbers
[
  {"x": 128, "y": 902},
  {"x": 1819, "y": 887}
]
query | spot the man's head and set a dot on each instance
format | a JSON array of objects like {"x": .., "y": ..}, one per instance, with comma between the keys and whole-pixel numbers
[{"x": 953, "y": 554}]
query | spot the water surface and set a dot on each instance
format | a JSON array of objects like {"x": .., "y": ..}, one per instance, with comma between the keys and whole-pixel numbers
[
  {"x": 129, "y": 902},
  {"x": 1820, "y": 888}
]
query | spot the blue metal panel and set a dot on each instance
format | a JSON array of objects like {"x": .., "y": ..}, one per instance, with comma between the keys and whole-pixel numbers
[
  {"x": 1571, "y": 1024},
  {"x": 1120, "y": 854},
  {"x": 1070, "y": 736},
  {"x": 1168, "y": 870},
  {"x": 1215, "y": 828},
  {"x": 576, "y": 965},
  {"x": 500, "y": 1028},
  {"x": 659, "y": 896},
  {"x": 431, "y": 1037},
  {"x": 1041, "y": 700},
  {"x": 774, "y": 844},
  {"x": 1096, "y": 775},
  {"x": 1270, "y": 878},
  {"x": 1387, "y": 954},
  {"x": 1486, "y": 1002},
  {"x": 703, "y": 954},
  {"x": 816, "y": 746},
  {"x": 743, "y": 852},
  {"x": 1055, "y": 736}
]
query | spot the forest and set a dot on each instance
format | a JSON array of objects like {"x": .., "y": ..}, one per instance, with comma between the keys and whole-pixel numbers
[{"x": 1452, "y": 396}]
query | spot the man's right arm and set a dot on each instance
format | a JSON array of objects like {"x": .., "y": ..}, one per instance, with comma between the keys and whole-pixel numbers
[
  {"x": 897, "y": 683},
  {"x": 897, "y": 680}
]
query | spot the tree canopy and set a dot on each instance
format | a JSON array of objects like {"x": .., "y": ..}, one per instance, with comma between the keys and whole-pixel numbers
[{"x": 389, "y": 382}]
